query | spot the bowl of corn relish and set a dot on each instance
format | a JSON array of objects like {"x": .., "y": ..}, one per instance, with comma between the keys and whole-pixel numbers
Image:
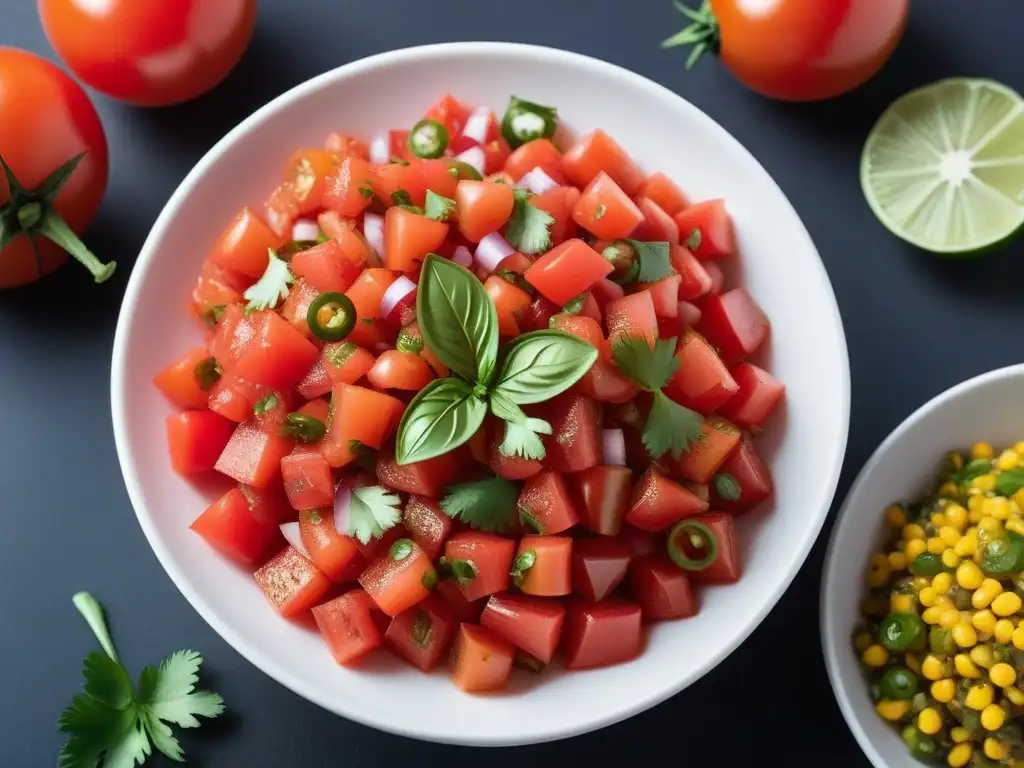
[{"x": 922, "y": 599}]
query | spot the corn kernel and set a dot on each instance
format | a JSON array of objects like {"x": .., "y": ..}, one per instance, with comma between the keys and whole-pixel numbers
[
  {"x": 912, "y": 531},
  {"x": 1006, "y": 604},
  {"x": 1003, "y": 674},
  {"x": 960, "y": 755},
  {"x": 878, "y": 577},
  {"x": 950, "y": 559},
  {"x": 1004, "y": 631},
  {"x": 936, "y": 545},
  {"x": 913, "y": 548},
  {"x": 963, "y": 633},
  {"x": 982, "y": 656},
  {"x": 992, "y": 717},
  {"x": 1015, "y": 695},
  {"x": 932, "y": 615},
  {"x": 986, "y": 593},
  {"x": 943, "y": 602},
  {"x": 964, "y": 666},
  {"x": 949, "y": 534},
  {"x": 994, "y": 749},
  {"x": 904, "y": 604},
  {"x": 920, "y": 582},
  {"x": 956, "y": 515},
  {"x": 950, "y": 618},
  {"x": 931, "y": 667},
  {"x": 892, "y": 709},
  {"x": 875, "y": 656},
  {"x": 1016, "y": 525},
  {"x": 974, "y": 504},
  {"x": 943, "y": 691},
  {"x": 863, "y": 641},
  {"x": 997, "y": 507},
  {"x": 937, "y": 519},
  {"x": 912, "y": 663},
  {"x": 984, "y": 483},
  {"x": 895, "y": 516},
  {"x": 959, "y": 734},
  {"x": 1008, "y": 459},
  {"x": 968, "y": 576},
  {"x": 1018, "y": 638},
  {"x": 984, "y": 621},
  {"x": 942, "y": 582},
  {"x": 990, "y": 525},
  {"x": 979, "y": 697},
  {"x": 897, "y": 561},
  {"x": 948, "y": 488},
  {"x": 1018, "y": 498},
  {"x": 967, "y": 545},
  {"x": 929, "y": 721},
  {"x": 927, "y": 596},
  {"x": 981, "y": 451}
]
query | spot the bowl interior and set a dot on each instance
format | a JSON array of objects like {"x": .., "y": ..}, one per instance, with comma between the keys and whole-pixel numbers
[
  {"x": 780, "y": 266},
  {"x": 983, "y": 408}
]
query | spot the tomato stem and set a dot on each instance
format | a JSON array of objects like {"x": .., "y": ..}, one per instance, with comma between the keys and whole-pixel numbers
[
  {"x": 55, "y": 229},
  {"x": 702, "y": 32},
  {"x": 29, "y": 215}
]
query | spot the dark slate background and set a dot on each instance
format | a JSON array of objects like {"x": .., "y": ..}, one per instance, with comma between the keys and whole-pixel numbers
[{"x": 916, "y": 325}]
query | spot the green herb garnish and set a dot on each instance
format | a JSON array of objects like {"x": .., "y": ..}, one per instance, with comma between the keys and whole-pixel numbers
[
  {"x": 207, "y": 373},
  {"x": 727, "y": 486},
  {"x": 373, "y": 510},
  {"x": 487, "y": 505},
  {"x": 529, "y": 228},
  {"x": 438, "y": 207},
  {"x": 266, "y": 404},
  {"x": 521, "y": 565},
  {"x": 525, "y": 121},
  {"x": 272, "y": 287}
]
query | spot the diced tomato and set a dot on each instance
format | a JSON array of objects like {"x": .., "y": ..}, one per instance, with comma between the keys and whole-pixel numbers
[
  {"x": 632, "y": 315},
  {"x": 567, "y": 270},
  {"x": 605, "y": 291},
  {"x": 409, "y": 237},
  {"x": 599, "y": 634},
  {"x": 483, "y": 207},
  {"x": 349, "y": 191},
  {"x": 227, "y": 343},
  {"x": 605, "y": 210},
  {"x": 545, "y": 501},
  {"x": 229, "y": 400},
  {"x": 539, "y": 153},
  {"x": 395, "y": 369},
  {"x": 269, "y": 503},
  {"x": 291, "y": 582},
  {"x": 581, "y": 327},
  {"x": 358, "y": 415},
  {"x": 341, "y": 145},
  {"x": 695, "y": 280},
  {"x": 325, "y": 267},
  {"x": 602, "y": 496},
  {"x": 229, "y": 526},
  {"x": 597, "y": 152},
  {"x": 347, "y": 626},
  {"x": 702, "y": 381},
  {"x": 272, "y": 412},
  {"x": 179, "y": 384},
  {"x": 530, "y": 623},
  {"x": 421, "y": 634},
  {"x": 551, "y": 573},
  {"x": 598, "y": 566},
  {"x": 426, "y": 478},
  {"x": 748, "y": 470},
  {"x": 491, "y": 556},
  {"x": 641, "y": 542},
  {"x": 659, "y": 502},
  {"x": 717, "y": 440},
  {"x": 399, "y": 578},
  {"x": 278, "y": 356},
  {"x": 302, "y": 190},
  {"x": 509, "y": 301},
  {"x": 346, "y": 362},
  {"x": 537, "y": 316},
  {"x": 437, "y": 175},
  {"x": 245, "y": 245},
  {"x": 575, "y": 440},
  {"x": 398, "y": 143},
  {"x": 759, "y": 394},
  {"x": 509, "y": 467},
  {"x": 496, "y": 153},
  {"x": 481, "y": 659},
  {"x": 296, "y": 307},
  {"x": 367, "y": 292},
  {"x": 559, "y": 202},
  {"x": 463, "y": 609},
  {"x": 331, "y": 551},
  {"x": 734, "y": 324},
  {"x": 215, "y": 289},
  {"x": 661, "y": 588},
  {"x": 665, "y": 295},
  {"x": 195, "y": 440},
  {"x": 662, "y": 190},
  {"x": 427, "y": 525},
  {"x": 308, "y": 480},
  {"x": 253, "y": 456},
  {"x": 604, "y": 383},
  {"x": 451, "y": 113},
  {"x": 717, "y": 277},
  {"x": 726, "y": 567},
  {"x": 715, "y": 226},
  {"x": 316, "y": 382},
  {"x": 372, "y": 549},
  {"x": 392, "y": 179}
]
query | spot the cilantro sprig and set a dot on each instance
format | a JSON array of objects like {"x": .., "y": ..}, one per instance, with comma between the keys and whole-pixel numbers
[
  {"x": 438, "y": 207},
  {"x": 113, "y": 723},
  {"x": 487, "y": 505},
  {"x": 670, "y": 428},
  {"x": 529, "y": 228},
  {"x": 373, "y": 510},
  {"x": 272, "y": 287}
]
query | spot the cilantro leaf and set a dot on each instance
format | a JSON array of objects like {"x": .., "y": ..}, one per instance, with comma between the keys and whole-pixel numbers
[
  {"x": 111, "y": 724},
  {"x": 373, "y": 510},
  {"x": 272, "y": 287},
  {"x": 528, "y": 228},
  {"x": 670, "y": 427},
  {"x": 651, "y": 368},
  {"x": 487, "y": 505},
  {"x": 522, "y": 434},
  {"x": 653, "y": 259},
  {"x": 438, "y": 207},
  {"x": 693, "y": 240},
  {"x": 401, "y": 197}
]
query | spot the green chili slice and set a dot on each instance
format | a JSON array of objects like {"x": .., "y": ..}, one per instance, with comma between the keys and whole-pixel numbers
[
  {"x": 900, "y": 631},
  {"x": 331, "y": 316},
  {"x": 461, "y": 170},
  {"x": 1004, "y": 555},
  {"x": 401, "y": 549},
  {"x": 525, "y": 121},
  {"x": 926, "y": 564},
  {"x": 304, "y": 427},
  {"x": 428, "y": 139},
  {"x": 700, "y": 538},
  {"x": 207, "y": 373},
  {"x": 899, "y": 683},
  {"x": 522, "y": 564}
]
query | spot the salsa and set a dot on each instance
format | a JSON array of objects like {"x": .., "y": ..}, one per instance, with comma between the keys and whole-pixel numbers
[{"x": 483, "y": 396}]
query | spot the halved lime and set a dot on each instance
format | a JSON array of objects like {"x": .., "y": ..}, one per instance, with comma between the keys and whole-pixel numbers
[{"x": 943, "y": 168}]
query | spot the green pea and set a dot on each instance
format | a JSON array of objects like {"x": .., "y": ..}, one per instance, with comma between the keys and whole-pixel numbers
[
  {"x": 899, "y": 683},
  {"x": 926, "y": 564},
  {"x": 901, "y": 631}
]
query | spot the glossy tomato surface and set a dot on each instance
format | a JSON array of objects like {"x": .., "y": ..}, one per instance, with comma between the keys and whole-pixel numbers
[{"x": 150, "y": 53}]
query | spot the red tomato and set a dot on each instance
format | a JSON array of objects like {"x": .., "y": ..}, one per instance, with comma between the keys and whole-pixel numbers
[
  {"x": 273, "y": 412},
  {"x": 215, "y": 289},
  {"x": 598, "y": 566},
  {"x": 658, "y": 502},
  {"x": 795, "y": 51},
  {"x": 453, "y": 596},
  {"x": 641, "y": 542},
  {"x": 347, "y": 626},
  {"x": 252, "y": 456},
  {"x": 296, "y": 307},
  {"x": 537, "y": 316},
  {"x": 717, "y": 440},
  {"x": 421, "y": 634},
  {"x": 559, "y": 202},
  {"x": 531, "y": 623},
  {"x": 759, "y": 394},
  {"x": 350, "y": 190},
  {"x": 545, "y": 501},
  {"x": 481, "y": 659},
  {"x": 392, "y": 179},
  {"x": 575, "y": 440},
  {"x": 49, "y": 121},
  {"x": 714, "y": 225},
  {"x": 567, "y": 270},
  {"x": 316, "y": 382},
  {"x": 151, "y": 54},
  {"x": 326, "y": 267},
  {"x": 196, "y": 439},
  {"x": 483, "y": 207},
  {"x": 597, "y": 152},
  {"x": 661, "y": 588},
  {"x": 734, "y": 324},
  {"x": 399, "y": 578},
  {"x": 665, "y": 295},
  {"x": 696, "y": 281},
  {"x": 717, "y": 277},
  {"x": 243, "y": 247},
  {"x": 726, "y": 567},
  {"x": 302, "y": 190},
  {"x": 229, "y": 400},
  {"x": 409, "y": 237},
  {"x": 179, "y": 384},
  {"x": 657, "y": 224},
  {"x": 291, "y": 582},
  {"x": 278, "y": 355},
  {"x": 491, "y": 557},
  {"x": 539, "y": 153},
  {"x": 427, "y": 525},
  {"x": 426, "y": 478},
  {"x": 268, "y": 503},
  {"x": 346, "y": 362},
  {"x": 366, "y": 294},
  {"x": 230, "y": 527},
  {"x": 754, "y": 481},
  {"x": 632, "y": 315},
  {"x": 437, "y": 175},
  {"x": 550, "y": 574},
  {"x": 602, "y": 497},
  {"x": 702, "y": 381},
  {"x": 451, "y": 113},
  {"x": 395, "y": 369},
  {"x": 509, "y": 467},
  {"x": 332, "y": 552},
  {"x": 605, "y": 210},
  {"x": 308, "y": 479},
  {"x": 358, "y": 415},
  {"x": 599, "y": 634},
  {"x": 660, "y": 189},
  {"x": 510, "y": 301}
]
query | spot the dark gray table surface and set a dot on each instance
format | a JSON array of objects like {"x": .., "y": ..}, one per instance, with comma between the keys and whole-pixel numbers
[{"x": 915, "y": 324}]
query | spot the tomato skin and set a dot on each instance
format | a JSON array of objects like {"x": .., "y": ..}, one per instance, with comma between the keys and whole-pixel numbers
[
  {"x": 632, "y": 315},
  {"x": 602, "y": 497},
  {"x": 177, "y": 382},
  {"x": 598, "y": 566},
  {"x": 759, "y": 395},
  {"x": 358, "y": 414},
  {"x": 463, "y": 609},
  {"x": 657, "y": 224},
  {"x": 659, "y": 502},
  {"x": 702, "y": 382},
  {"x": 397, "y": 585},
  {"x": 347, "y": 626},
  {"x": 530, "y": 623},
  {"x": 422, "y": 648},
  {"x": 491, "y": 555},
  {"x": 326, "y": 267},
  {"x": 451, "y": 113},
  {"x": 481, "y": 659},
  {"x": 575, "y": 441},
  {"x": 216, "y": 287},
  {"x": 229, "y": 526},
  {"x": 726, "y": 567},
  {"x": 291, "y": 582},
  {"x": 50, "y": 120},
  {"x": 545, "y": 497},
  {"x": 799, "y": 52},
  {"x": 427, "y": 525},
  {"x": 346, "y": 362},
  {"x": 344, "y": 192},
  {"x": 395, "y": 369},
  {"x": 567, "y": 270},
  {"x": 715, "y": 226},
  {"x": 316, "y": 382},
  {"x": 196, "y": 439},
  {"x": 597, "y": 152},
  {"x": 483, "y": 206},
  {"x": 661, "y": 190},
  {"x": 252, "y": 456},
  {"x": 308, "y": 480},
  {"x": 229, "y": 400},
  {"x": 510, "y": 301},
  {"x": 396, "y": 177},
  {"x": 717, "y": 440},
  {"x": 550, "y": 575},
  {"x": 409, "y": 237},
  {"x": 599, "y": 634},
  {"x": 509, "y": 467},
  {"x": 539, "y": 153},
  {"x": 605, "y": 210},
  {"x": 661, "y": 588},
  {"x": 734, "y": 324},
  {"x": 437, "y": 176},
  {"x": 302, "y": 190},
  {"x": 269, "y": 503},
  {"x": 696, "y": 281},
  {"x": 331, "y": 552},
  {"x": 278, "y": 355},
  {"x": 424, "y": 478},
  {"x": 748, "y": 470}
]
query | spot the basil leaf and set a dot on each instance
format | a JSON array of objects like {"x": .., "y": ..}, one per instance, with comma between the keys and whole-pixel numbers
[
  {"x": 458, "y": 319},
  {"x": 543, "y": 364},
  {"x": 443, "y": 416}
]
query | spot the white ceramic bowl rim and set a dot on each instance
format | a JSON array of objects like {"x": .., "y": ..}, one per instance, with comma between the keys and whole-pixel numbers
[{"x": 668, "y": 684}]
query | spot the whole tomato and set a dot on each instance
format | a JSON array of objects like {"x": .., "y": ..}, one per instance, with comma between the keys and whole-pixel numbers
[
  {"x": 150, "y": 52},
  {"x": 796, "y": 50},
  {"x": 54, "y": 157}
]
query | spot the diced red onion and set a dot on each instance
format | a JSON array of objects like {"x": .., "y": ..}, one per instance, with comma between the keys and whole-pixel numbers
[
  {"x": 492, "y": 250},
  {"x": 305, "y": 230},
  {"x": 537, "y": 181},
  {"x": 478, "y": 124},
  {"x": 473, "y": 156},
  {"x": 463, "y": 257},
  {"x": 689, "y": 313},
  {"x": 380, "y": 149},
  {"x": 342, "y": 498},
  {"x": 614, "y": 443},
  {"x": 291, "y": 532},
  {"x": 373, "y": 231},
  {"x": 397, "y": 291}
]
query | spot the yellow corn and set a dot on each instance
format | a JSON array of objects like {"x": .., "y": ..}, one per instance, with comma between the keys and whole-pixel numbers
[
  {"x": 984, "y": 621},
  {"x": 912, "y": 531},
  {"x": 878, "y": 577},
  {"x": 981, "y": 451},
  {"x": 959, "y": 734},
  {"x": 937, "y": 519},
  {"x": 931, "y": 667},
  {"x": 912, "y": 663},
  {"x": 895, "y": 516},
  {"x": 1019, "y": 447},
  {"x": 986, "y": 593},
  {"x": 990, "y": 525},
  {"x": 968, "y": 576},
  {"x": 956, "y": 515},
  {"x": 995, "y": 750},
  {"x": 997, "y": 507},
  {"x": 1018, "y": 638},
  {"x": 920, "y": 582},
  {"x": 979, "y": 697},
  {"x": 984, "y": 483},
  {"x": 992, "y": 717},
  {"x": 1004, "y": 631},
  {"x": 1015, "y": 524},
  {"x": 927, "y": 596},
  {"x": 897, "y": 561},
  {"x": 967, "y": 545},
  {"x": 964, "y": 666},
  {"x": 950, "y": 559},
  {"x": 1006, "y": 604},
  {"x": 892, "y": 709},
  {"x": 1002, "y": 674},
  {"x": 875, "y": 656},
  {"x": 1015, "y": 695},
  {"x": 942, "y": 582},
  {"x": 929, "y": 721},
  {"x": 902, "y": 604},
  {"x": 1008, "y": 459},
  {"x": 936, "y": 545},
  {"x": 950, "y": 535},
  {"x": 943, "y": 691},
  {"x": 913, "y": 548},
  {"x": 1018, "y": 498},
  {"x": 931, "y": 615},
  {"x": 961, "y": 754},
  {"x": 982, "y": 656},
  {"x": 949, "y": 618},
  {"x": 944, "y": 602}
]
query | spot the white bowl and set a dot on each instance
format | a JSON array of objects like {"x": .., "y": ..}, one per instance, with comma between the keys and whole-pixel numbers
[
  {"x": 984, "y": 408},
  {"x": 804, "y": 445}
]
